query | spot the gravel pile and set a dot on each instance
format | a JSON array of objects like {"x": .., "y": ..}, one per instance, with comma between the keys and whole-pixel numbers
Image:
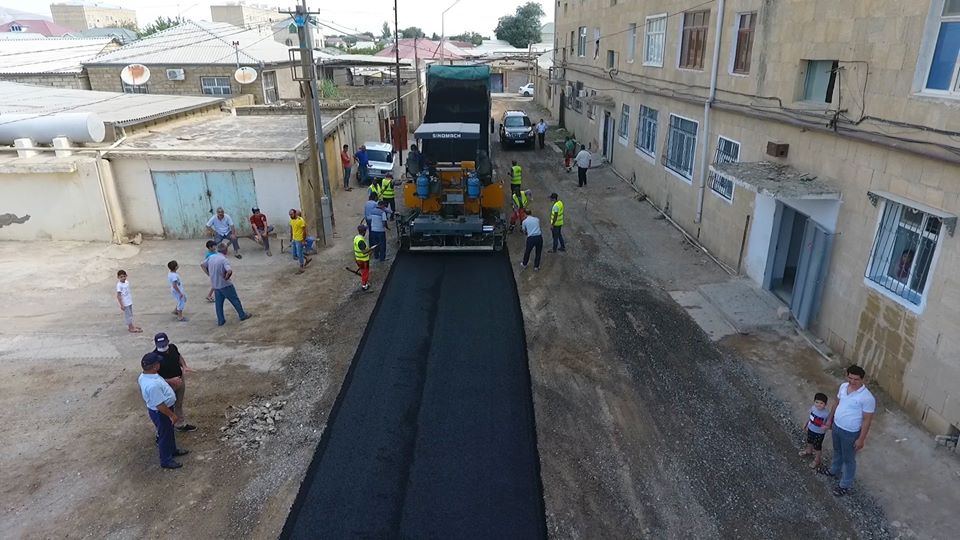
[{"x": 250, "y": 427}]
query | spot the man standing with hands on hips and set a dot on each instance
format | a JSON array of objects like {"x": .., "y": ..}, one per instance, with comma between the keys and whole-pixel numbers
[{"x": 850, "y": 419}]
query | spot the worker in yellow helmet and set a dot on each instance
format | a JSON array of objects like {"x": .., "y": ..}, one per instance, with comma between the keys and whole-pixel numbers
[
  {"x": 556, "y": 224},
  {"x": 516, "y": 177}
]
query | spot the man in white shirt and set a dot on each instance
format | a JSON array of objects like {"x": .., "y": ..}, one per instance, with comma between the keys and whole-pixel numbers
[
  {"x": 160, "y": 399},
  {"x": 850, "y": 420},
  {"x": 531, "y": 226},
  {"x": 222, "y": 228},
  {"x": 584, "y": 161},
  {"x": 541, "y": 132}
]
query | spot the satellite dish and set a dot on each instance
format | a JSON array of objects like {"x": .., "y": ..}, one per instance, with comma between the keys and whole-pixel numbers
[
  {"x": 135, "y": 74},
  {"x": 245, "y": 75}
]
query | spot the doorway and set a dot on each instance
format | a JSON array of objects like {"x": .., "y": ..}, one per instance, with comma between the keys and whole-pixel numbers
[
  {"x": 187, "y": 199},
  {"x": 607, "y": 136},
  {"x": 561, "y": 117},
  {"x": 786, "y": 257}
]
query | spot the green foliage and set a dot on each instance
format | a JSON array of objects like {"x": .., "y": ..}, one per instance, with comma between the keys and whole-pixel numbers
[
  {"x": 435, "y": 37},
  {"x": 365, "y": 50},
  {"x": 412, "y": 32},
  {"x": 469, "y": 37},
  {"x": 162, "y": 23},
  {"x": 522, "y": 28},
  {"x": 385, "y": 33},
  {"x": 327, "y": 89}
]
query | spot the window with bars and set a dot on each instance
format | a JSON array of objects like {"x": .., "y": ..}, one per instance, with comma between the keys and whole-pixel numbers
[
  {"x": 624, "y": 129},
  {"x": 728, "y": 151},
  {"x": 632, "y": 44},
  {"x": 582, "y": 41},
  {"x": 655, "y": 34},
  {"x": 133, "y": 88},
  {"x": 746, "y": 23},
  {"x": 693, "y": 44},
  {"x": 215, "y": 86},
  {"x": 646, "y": 140},
  {"x": 681, "y": 145},
  {"x": 903, "y": 251}
]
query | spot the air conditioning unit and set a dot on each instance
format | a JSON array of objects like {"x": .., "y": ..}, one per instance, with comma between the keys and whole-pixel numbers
[{"x": 175, "y": 75}]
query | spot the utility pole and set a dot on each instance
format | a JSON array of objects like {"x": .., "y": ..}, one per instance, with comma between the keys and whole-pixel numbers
[
  {"x": 396, "y": 49},
  {"x": 416, "y": 70},
  {"x": 318, "y": 158}
]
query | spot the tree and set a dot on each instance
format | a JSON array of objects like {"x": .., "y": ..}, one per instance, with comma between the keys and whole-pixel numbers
[
  {"x": 435, "y": 37},
  {"x": 385, "y": 33},
  {"x": 522, "y": 28},
  {"x": 162, "y": 23},
  {"x": 469, "y": 37},
  {"x": 412, "y": 32}
]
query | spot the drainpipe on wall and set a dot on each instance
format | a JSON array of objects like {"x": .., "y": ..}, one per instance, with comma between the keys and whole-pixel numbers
[
  {"x": 111, "y": 199},
  {"x": 707, "y": 105}
]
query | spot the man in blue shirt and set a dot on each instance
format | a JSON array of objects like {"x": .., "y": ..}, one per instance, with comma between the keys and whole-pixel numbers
[
  {"x": 362, "y": 162},
  {"x": 160, "y": 399}
]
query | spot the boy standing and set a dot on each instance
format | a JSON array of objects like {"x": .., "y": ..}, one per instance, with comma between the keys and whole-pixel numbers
[
  {"x": 176, "y": 289},
  {"x": 125, "y": 299},
  {"x": 816, "y": 427}
]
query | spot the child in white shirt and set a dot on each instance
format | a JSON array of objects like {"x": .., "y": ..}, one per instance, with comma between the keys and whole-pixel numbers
[
  {"x": 125, "y": 299},
  {"x": 176, "y": 290}
]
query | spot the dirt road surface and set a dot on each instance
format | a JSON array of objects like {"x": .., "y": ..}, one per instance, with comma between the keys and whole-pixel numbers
[{"x": 645, "y": 427}]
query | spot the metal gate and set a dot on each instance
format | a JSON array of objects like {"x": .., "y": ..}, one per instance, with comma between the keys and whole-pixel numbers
[
  {"x": 496, "y": 83},
  {"x": 811, "y": 273},
  {"x": 187, "y": 199}
]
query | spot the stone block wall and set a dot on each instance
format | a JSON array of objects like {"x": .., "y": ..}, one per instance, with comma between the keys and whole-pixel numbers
[{"x": 73, "y": 81}]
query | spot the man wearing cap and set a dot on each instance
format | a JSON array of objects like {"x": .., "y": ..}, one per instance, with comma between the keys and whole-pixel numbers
[
  {"x": 261, "y": 229},
  {"x": 160, "y": 399},
  {"x": 172, "y": 368}
]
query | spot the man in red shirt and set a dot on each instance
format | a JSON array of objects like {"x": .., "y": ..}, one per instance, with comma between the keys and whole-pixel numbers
[
  {"x": 261, "y": 230},
  {"x": 345, "y": 161}
]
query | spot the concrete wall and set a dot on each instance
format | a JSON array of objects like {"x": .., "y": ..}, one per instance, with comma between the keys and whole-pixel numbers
[
  {"x": 75, "y": 81},
  {"x": 107, "y": 78},
  {"x": 79, "y": 17},
  {"x": 908, "y": 350},
  {"x": 61, "y": 195},
  {"x": 275, "y": 184}
]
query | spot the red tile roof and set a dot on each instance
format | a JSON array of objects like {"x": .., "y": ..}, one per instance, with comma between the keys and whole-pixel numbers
[{"x": 37, "y": 26}]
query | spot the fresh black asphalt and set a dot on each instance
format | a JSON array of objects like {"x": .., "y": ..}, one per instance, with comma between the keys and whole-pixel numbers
[{"x": 432, "y": 434}]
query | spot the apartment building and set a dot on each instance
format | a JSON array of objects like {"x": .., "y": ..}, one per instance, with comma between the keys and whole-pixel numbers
[
  {"x": 245, "y": 15},
  {"x": 81, "y": 15},
  {"x": 812, "y": 146}
]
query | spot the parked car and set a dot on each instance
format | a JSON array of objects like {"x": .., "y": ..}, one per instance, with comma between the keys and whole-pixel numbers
[
  {"x": 380, "y": 156},
  {"x": 526, "y": 90},
  {"x": 516, "y": 128}
]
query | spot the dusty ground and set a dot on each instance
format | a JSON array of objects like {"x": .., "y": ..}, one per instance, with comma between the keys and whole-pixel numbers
[
  {"x": 77, "y": 456},
  {"x": 646, "y": 427}
]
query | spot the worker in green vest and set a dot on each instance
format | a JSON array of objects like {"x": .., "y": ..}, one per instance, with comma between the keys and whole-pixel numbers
[
  {"x": 556, "y": 223},
  {"x": 521, "y": 202},
  {"x": 376, "y": 189},
  {"x": 386, "y": 193},
  {"x": 361, "y": 254},
  {"x": 516, "y": 174}
]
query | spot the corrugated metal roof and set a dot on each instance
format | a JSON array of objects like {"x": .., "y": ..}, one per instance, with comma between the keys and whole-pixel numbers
[
  {"x": 199, "y": 42},
  {"x": 112, "y": 107},
  {"x": 48, "y": 55}
]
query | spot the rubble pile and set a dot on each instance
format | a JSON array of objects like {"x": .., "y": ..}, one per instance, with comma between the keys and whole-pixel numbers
[{"x": 250, "y": 427}]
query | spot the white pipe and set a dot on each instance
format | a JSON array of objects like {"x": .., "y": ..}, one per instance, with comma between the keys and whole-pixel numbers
[
  {"x": 78, "y": 127},
  {"x": 707, "y": 105}
]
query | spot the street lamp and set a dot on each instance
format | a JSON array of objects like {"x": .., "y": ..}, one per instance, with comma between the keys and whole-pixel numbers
[{"x": 442, "y": 29}]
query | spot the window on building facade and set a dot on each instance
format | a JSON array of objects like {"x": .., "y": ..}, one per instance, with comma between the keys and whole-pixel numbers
[
  {"x": 728, "y": 151},
  {"x": 215, "y": 86},
  {"x": 820, "y": 80},
  {"x": 611, "y": 59},
  {"x": 654, "y": 37},
  {"x": 133, "y": 88},
  {"x": 646, "y": 140},
  {"x": 578, "y": 97},
  {"x": 582, "y": 41},
  {"x": 564, "y": 8},
  {"x": 632, "y": 44},
  {"x": 681, "y": 145},
  {"x": 746, "y": 22},
  {"x": 16, "y": 28},
  {"x": 624, "y": 129},
  {"x": 572, "y": 40},
  {"x": 902, "y": 255},
  {"x": 693, "y": 41},
  {"x": 942, "y": 76},
  {"x": 270, "y": 94}
]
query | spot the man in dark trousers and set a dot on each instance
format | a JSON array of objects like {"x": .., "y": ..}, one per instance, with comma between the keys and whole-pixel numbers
[
  {"x": 556, "y": 223},
  {"x": 172, "y": 368},
  {"x": 160, "y": 399},
  {"x": 531, "y": 226},
  {"x": 218, "y": 268},
  {"x": 584, "y": 160}
]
